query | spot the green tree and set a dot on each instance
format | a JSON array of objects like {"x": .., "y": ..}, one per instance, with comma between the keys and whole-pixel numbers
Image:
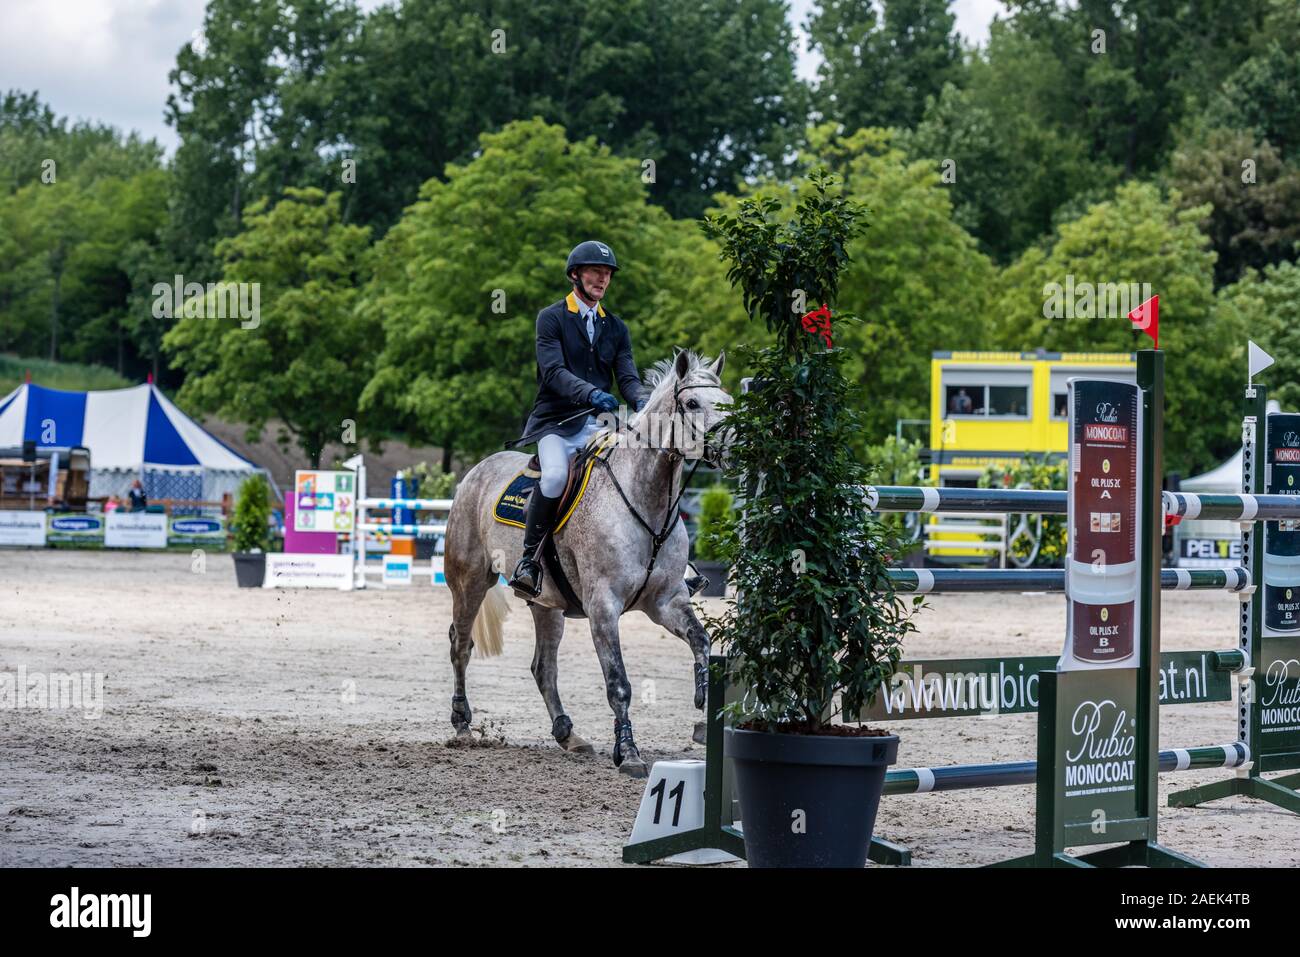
[
  {"x": 1137, "y": 237},
  {"x": 1263, "y": 96},
  {"x": 1009, "y": 143},
  {"x": 1254, "y": 197},
  {"x": 1267, "y": 305},
  {"x": 915, "y": 278},
  {"x": 879, "y": 70},
  {"x": 304, "y": 359},
  {"x": 459, "y": 281}
]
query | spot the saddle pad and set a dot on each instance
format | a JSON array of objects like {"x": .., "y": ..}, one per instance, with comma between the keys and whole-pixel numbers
[{"x": 510, "y": 506}]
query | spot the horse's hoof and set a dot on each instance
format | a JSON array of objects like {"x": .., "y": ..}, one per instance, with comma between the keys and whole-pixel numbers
[
  {"x": 634, "y": 768},
  {"x": 575, "y": 744},
  {"x": 698, "y": 735}
]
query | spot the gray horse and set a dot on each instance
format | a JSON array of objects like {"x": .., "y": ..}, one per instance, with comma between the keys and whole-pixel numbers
[{"x": 604, "y": 548}]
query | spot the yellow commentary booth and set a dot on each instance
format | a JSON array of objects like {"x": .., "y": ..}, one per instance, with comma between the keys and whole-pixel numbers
[{"x": 996, "y": 408}]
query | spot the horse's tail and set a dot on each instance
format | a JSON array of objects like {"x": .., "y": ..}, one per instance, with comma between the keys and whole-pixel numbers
[{"x": 487, "y": 623}]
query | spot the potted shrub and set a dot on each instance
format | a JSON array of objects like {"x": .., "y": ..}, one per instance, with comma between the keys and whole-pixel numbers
[
  {"x": 252, "y": 535},
  {"x": 715, "y": 525},
  {"x": 815, "y": 627}
]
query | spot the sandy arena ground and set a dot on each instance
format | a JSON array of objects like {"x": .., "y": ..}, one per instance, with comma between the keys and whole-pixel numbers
[{"x": 249, "y": 727}]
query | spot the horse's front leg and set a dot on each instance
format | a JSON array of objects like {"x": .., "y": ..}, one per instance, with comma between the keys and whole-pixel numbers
[
  {"x": 604, "y": 611},
  {"x": 674, "y": 612}
]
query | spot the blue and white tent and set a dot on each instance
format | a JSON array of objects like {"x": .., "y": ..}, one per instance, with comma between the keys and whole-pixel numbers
[{"x": 131, "y": 433}]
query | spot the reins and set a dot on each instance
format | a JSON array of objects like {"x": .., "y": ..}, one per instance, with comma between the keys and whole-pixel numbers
[{"x": 673, "y": 516}]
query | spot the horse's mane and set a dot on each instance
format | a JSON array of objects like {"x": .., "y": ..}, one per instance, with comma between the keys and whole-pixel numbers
[{"x": 662, "y": 376}]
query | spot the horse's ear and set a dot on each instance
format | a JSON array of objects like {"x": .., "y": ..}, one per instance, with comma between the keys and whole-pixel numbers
[
  {"x": 716, "y": 368},
  {"x": 682, "y": 365}
]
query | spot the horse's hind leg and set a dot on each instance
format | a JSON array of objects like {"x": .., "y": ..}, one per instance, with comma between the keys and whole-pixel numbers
[{"x": 549, "y": 625}]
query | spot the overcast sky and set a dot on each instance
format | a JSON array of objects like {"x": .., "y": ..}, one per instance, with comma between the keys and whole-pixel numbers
[{"x": 107, "y": 60}]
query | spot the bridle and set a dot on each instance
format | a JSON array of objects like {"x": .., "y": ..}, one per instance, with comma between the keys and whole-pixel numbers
[{"x": 712, "y": 456}]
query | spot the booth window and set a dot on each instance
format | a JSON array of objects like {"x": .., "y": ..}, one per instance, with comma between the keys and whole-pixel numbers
[{"x": 991, "y": 394}]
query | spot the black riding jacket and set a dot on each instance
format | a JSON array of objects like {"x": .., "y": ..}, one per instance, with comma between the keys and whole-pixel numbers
[{"x": 569, "y": 368}]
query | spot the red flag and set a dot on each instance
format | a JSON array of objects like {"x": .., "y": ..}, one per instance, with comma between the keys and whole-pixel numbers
[
  {"x": 819, "y": 323},
  {"x": 1146, "y": 318}
]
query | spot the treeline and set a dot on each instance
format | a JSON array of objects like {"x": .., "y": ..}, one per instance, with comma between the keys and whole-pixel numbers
[{"x": 403, "y": 186}]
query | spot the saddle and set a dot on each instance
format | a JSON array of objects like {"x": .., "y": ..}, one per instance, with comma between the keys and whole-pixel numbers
[{"x": 511, "y": 505}]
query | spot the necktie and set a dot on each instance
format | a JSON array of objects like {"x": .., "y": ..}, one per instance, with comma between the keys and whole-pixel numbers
[{"x": 591, "y": 326}]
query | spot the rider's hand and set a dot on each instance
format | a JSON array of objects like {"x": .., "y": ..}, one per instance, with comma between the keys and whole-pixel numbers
[{"x": 603, "y": 401}]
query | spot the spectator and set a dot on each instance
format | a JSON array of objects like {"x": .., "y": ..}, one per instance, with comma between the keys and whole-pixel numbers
[
  {"x": 138, "y": 500},
  {"x": 112, "y": 505}
]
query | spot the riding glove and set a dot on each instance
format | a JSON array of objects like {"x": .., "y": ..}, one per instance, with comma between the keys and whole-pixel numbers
[{"x": 603, "y": 401}]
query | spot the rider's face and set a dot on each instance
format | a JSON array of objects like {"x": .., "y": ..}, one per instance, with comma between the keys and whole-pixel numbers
[{"x": 596, "y": 279}]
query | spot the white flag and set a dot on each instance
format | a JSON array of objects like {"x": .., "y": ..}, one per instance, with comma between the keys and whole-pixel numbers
[{"x": 1257, "y": 359}]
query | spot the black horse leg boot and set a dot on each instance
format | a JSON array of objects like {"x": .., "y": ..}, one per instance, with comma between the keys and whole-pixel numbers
[{"x": 527, "y": 580}]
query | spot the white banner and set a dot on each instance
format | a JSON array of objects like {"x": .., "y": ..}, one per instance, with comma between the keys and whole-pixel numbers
[
  {"x": 135, "y": 530},
  {"x": 397, "y": 569},
  {"x": 308, "y": 571},
  {"x": 22, "y": 528}
]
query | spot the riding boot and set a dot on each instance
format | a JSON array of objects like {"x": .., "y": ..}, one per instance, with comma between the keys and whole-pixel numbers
[{"x": 527, "y": 580}]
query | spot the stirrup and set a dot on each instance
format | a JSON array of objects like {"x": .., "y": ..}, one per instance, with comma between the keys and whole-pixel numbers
[{"x": 519, "y": 587}]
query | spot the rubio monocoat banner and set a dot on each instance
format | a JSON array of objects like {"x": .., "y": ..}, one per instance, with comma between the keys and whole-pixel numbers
[
  {"x": 1279, "y": 685},
  {"x": 961, "y": 687},
  {"x": 1101, "y": 579}
]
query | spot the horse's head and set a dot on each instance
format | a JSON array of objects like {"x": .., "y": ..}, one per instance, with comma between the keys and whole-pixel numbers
[{"x": 687, "y": 406}]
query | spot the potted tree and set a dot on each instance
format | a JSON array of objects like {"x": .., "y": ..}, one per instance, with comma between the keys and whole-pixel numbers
[
  {"x": 716, "y": 524},
  {"x": 816, "y": 626},
  {"x": 252, "y": 536}
]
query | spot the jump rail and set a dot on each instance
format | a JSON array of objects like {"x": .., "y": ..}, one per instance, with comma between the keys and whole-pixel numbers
[{"x": 927, "y": 581}]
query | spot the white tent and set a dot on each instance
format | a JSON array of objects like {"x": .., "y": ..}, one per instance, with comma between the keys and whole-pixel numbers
[
  {"x": 1224, "y": 478},
  {"x": 130, "y": 433}
]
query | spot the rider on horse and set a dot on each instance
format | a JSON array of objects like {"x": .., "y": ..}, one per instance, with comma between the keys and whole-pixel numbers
[{"x": 581, "y": 349}]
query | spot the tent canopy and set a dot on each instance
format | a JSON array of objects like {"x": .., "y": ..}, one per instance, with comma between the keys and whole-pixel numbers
[
  {"x": 131, "y": 433},
  {"x": 1225, "y": 478}
]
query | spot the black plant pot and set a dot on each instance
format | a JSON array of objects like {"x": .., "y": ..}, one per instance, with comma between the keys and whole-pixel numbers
[
  {"x": 716, "y": 573},
  {"x": 250, "y": 568},
  {"x": 834, "y": 781}
]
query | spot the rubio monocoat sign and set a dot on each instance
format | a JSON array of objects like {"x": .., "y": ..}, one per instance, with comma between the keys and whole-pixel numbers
[
  {"x": 1279, "y": 685},
  {"x": 1102, "y": 572},
  {"x": 1096, "y": 731}
]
